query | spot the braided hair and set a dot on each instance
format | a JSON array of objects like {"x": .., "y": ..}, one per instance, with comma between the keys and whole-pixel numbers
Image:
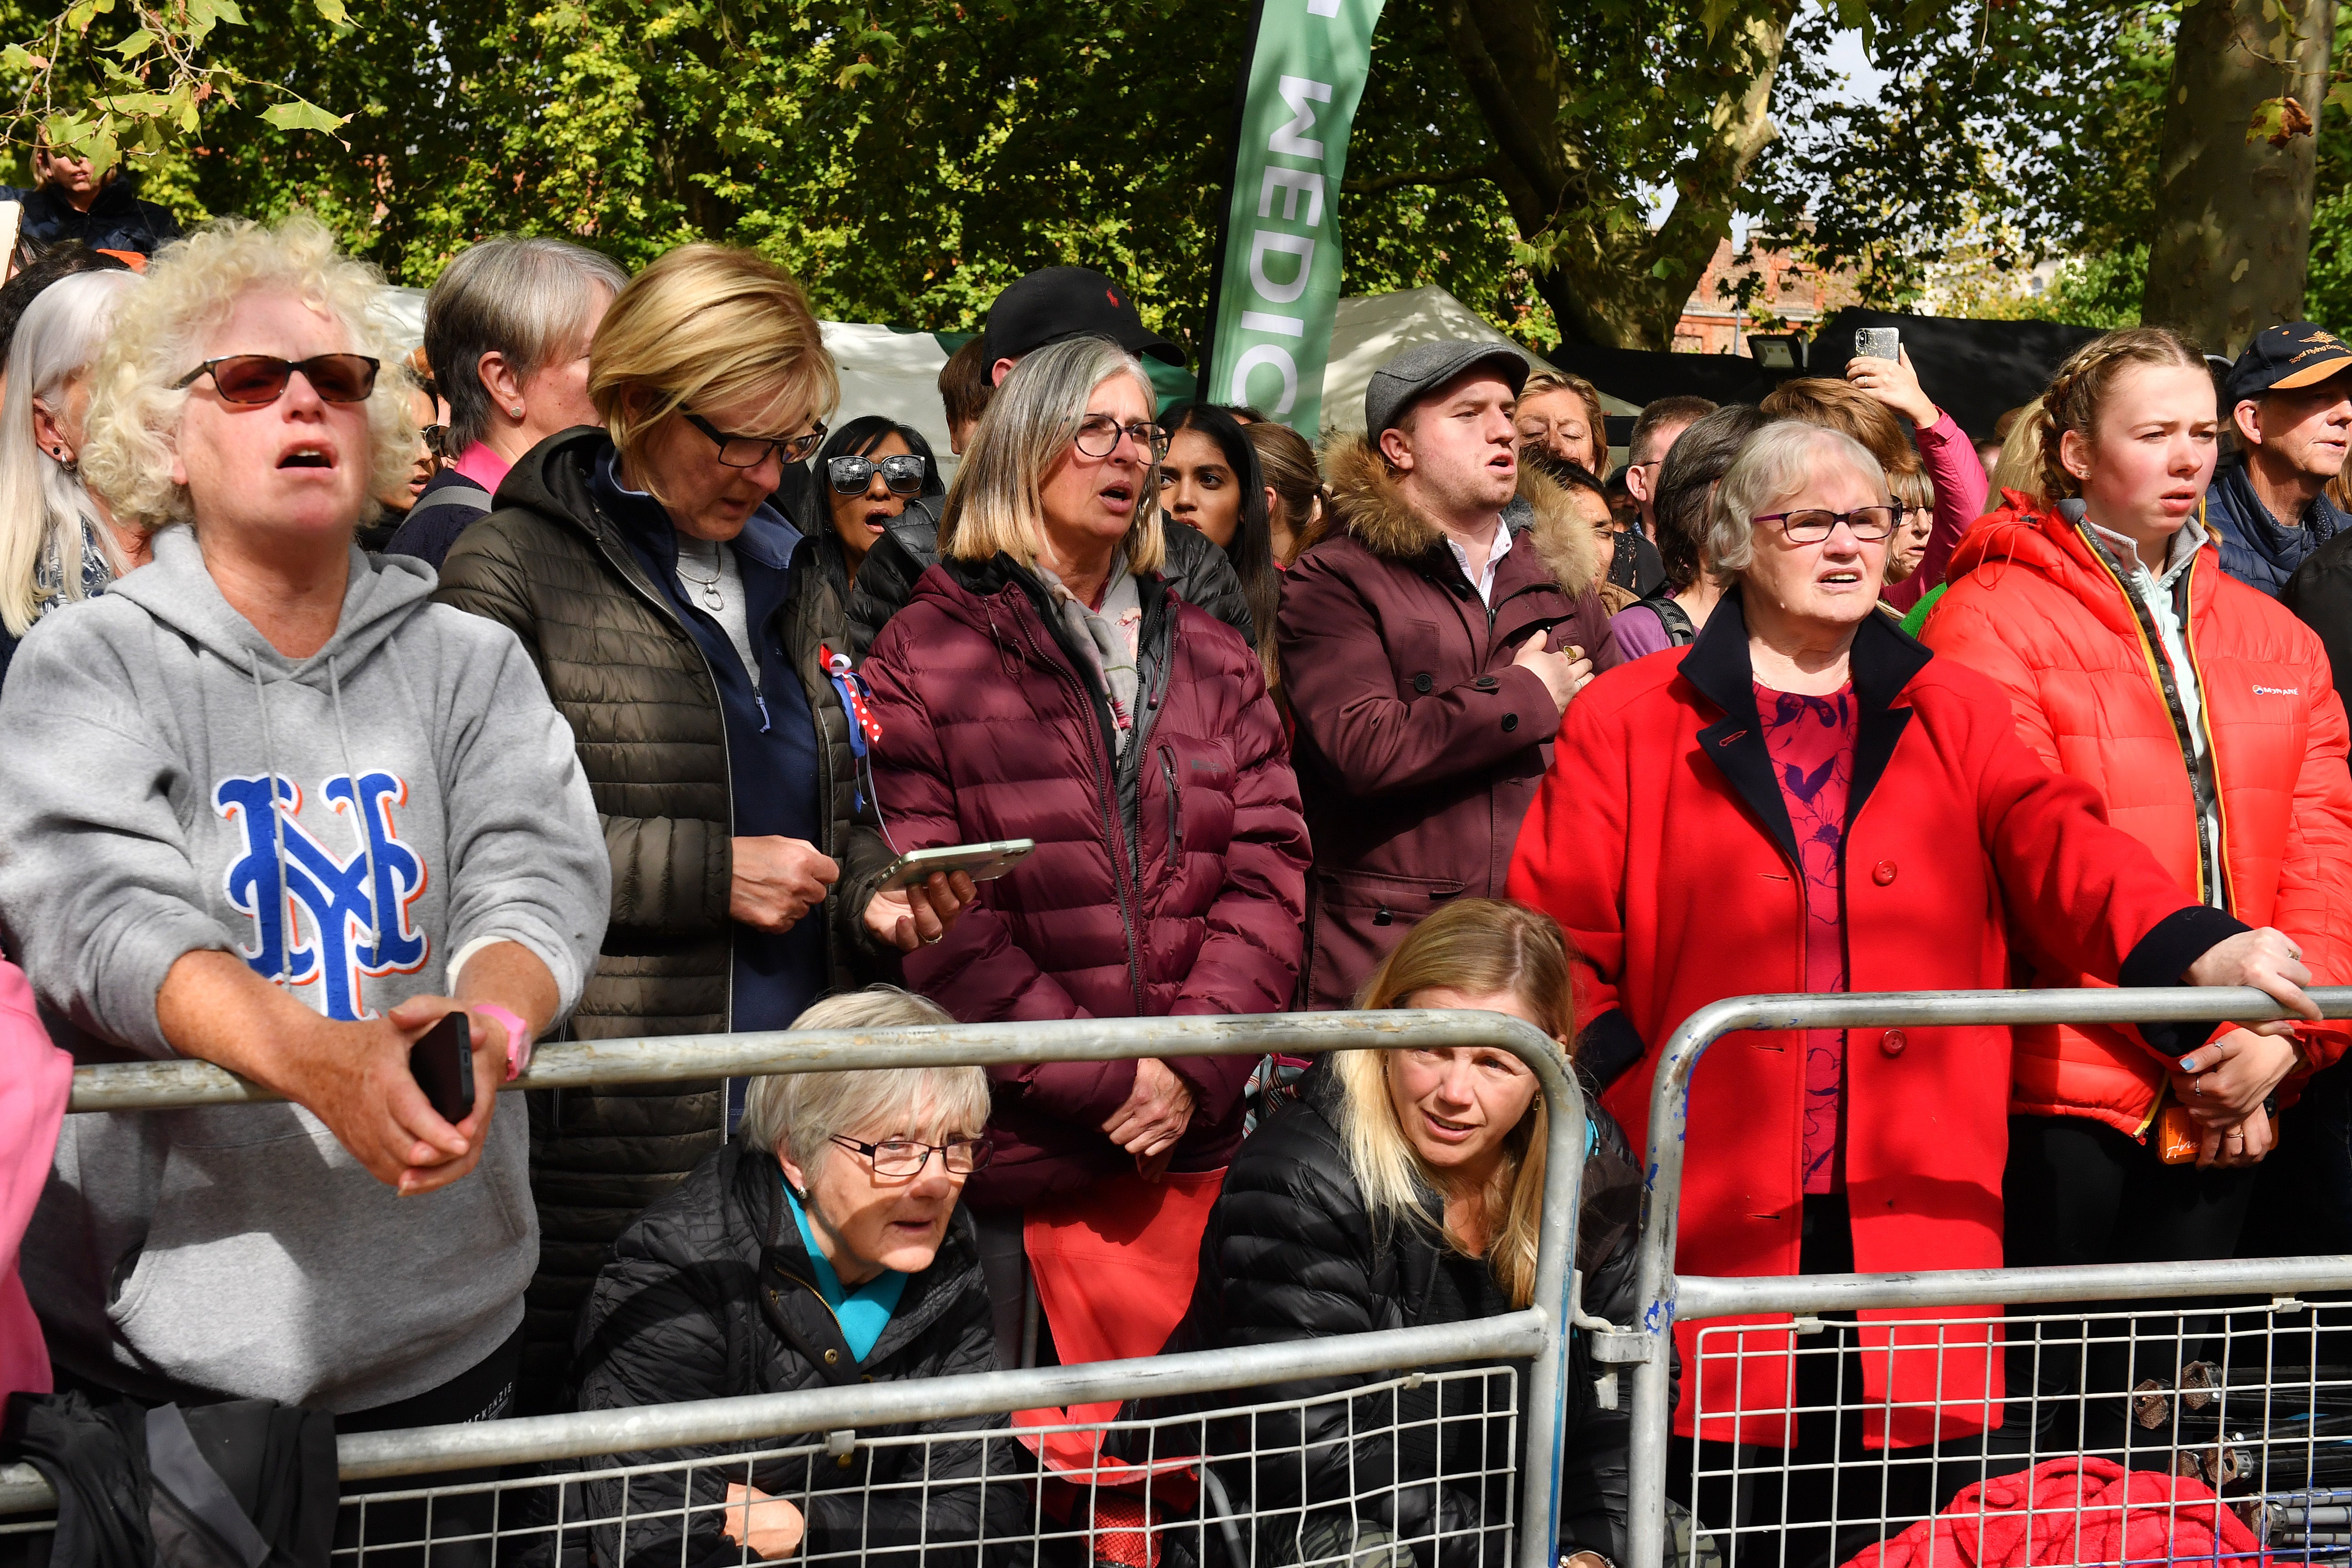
[{"x": 2079, "y": 390}]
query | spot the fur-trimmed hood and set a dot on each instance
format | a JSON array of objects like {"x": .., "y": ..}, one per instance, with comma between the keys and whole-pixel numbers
[{"x": 1374, "y": 513}]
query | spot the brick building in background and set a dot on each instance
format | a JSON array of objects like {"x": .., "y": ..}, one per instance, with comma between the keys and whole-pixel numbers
[{"x": 1714, "y": 324}]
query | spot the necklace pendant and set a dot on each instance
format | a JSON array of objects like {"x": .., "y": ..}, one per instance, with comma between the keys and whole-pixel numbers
[{"x": 712, "y": 598}]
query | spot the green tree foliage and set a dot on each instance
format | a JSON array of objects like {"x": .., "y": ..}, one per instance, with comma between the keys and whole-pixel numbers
[{"x": 2017, "y": 130}]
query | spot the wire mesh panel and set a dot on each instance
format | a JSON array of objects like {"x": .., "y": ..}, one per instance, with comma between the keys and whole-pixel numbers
[
  {"x": 1415, "y": 1471},
  {"x": 2153, "y": 1433}
]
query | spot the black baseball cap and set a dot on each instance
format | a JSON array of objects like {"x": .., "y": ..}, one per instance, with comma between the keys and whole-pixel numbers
[
  {"x": 1068, "y": 302},
  {"x": 2283, "y": 357}
]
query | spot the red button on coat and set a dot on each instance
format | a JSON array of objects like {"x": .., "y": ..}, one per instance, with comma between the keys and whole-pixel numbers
[
  {"x": 1883, "y": 873},
  {"x": 1892, "y": 1043}
]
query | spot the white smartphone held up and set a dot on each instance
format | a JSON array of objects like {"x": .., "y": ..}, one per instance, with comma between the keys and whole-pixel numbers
[
  {"x": 981, "y": 862},
  {"x": 1877, "y": 342}
]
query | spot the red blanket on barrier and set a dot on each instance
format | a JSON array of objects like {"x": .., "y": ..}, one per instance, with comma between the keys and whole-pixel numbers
[{"x": 2070, "y": 1512}]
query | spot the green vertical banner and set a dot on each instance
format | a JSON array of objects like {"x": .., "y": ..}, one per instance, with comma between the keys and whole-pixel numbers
[{"x": 1277, "y": 275}]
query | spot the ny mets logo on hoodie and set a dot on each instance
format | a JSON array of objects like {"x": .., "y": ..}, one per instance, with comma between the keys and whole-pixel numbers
[{"x": 357, "y": 904}]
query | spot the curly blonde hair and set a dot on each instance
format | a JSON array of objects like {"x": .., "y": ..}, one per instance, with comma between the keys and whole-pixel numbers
[{"x": 165, "y": 329}]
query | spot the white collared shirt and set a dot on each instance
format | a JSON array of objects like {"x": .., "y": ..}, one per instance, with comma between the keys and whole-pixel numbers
[
  {"x": 1483, "y": 580},
  {"x": 2155, "y": 590}
]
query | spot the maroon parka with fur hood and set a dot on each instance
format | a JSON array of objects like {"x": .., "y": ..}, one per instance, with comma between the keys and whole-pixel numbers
[
  {"x": 1173, "y": 882},
  {"x": 1420, "y": 743}
]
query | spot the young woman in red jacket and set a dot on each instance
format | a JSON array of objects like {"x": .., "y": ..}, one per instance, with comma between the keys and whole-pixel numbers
[
  {"x": 2204, "y": 716},
  {"x": 1805, "y": 799}
]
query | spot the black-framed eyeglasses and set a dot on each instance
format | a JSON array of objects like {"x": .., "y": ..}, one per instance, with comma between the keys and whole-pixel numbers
[
  {"x": 750, "y": 451},
  {"x": 1811, "y": 526},
  {"x": 257, "y": 379},
  {"x": 903, "y": 472},
  {"x": 1098, "y": 436},
  {"x": 908, "y": 1156}
]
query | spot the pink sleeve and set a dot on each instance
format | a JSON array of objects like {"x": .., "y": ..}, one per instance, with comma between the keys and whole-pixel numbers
[
  {"x": 35, "y": 1079},
  {"x": 1960, "y": 490}
]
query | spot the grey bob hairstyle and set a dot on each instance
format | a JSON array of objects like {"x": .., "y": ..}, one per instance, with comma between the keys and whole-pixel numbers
[
  {"x": 798, "y": 1114},
  {"x": 997, "y": 501},
  {"x": 1774, "y": 464}
]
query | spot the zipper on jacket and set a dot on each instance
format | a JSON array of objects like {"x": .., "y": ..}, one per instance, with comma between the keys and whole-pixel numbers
[
  {"x": 1175, "y": 801},
  {"x": 2212, "y": 749},
  {"x": 1106, "y": 796},
  {"x": 2168, "y": 685},
  {"x": 726, "y": 757}
]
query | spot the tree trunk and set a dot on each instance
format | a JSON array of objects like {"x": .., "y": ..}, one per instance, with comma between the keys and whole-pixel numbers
[{"x": 2233, "y": 230}]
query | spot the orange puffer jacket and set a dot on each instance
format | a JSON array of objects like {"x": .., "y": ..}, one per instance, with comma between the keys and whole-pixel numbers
[{"x": 2034, "y": 608}]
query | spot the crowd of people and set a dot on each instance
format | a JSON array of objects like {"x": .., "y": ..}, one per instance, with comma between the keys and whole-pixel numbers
[{"x": 571, "y": 675}]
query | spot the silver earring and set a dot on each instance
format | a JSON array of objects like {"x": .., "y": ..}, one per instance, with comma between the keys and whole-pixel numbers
[{"x": 516, "y": 411}]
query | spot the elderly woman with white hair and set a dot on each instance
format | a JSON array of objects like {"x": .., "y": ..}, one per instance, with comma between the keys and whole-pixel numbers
[
  {"x": 1805, "y": 799},
  {"x": 822, "y": 1246},
  {"x": 58, "y": 542},
  {"x": 263, "y": 804},
  {"x": 1046, "y": 683}
]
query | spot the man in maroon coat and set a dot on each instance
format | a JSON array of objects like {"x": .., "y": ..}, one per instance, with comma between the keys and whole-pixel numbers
[{"x": 1429, "y": 649}]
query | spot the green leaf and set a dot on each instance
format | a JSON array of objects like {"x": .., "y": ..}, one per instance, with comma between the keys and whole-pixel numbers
[
  {"x": 301, "y": 115},
  {"x": 138, "y": 43},
  {"x": 333, "y": 11}
]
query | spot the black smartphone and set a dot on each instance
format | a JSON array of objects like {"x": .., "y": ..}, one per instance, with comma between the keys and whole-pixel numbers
[{"x": 442, "y": 1062}]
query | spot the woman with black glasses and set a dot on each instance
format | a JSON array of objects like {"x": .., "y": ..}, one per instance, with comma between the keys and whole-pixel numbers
[
  {"x": 824, "y": 1246},
  {"x": 679, "y": 619},
  {"x": 868, "y": 471}
]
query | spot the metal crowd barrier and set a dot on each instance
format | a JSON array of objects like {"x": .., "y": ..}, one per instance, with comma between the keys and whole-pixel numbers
[
  {"x": 473, "y": 1510},
  {"x": 2229, "y": 1386}
]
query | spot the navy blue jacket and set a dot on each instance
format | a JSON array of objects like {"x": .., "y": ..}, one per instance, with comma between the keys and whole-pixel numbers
[
  {"x": 2256, "y": 548},
  {"x": 117, "y": 220}
]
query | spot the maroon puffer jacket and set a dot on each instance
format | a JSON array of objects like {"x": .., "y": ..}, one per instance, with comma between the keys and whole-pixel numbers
[{"x": 1173, "y": 886}]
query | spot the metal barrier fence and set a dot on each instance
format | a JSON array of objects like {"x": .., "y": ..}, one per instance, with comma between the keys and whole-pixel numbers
[
  {"x": 2233, "y": 1395},
  {"x": 495, "y": 1512}
]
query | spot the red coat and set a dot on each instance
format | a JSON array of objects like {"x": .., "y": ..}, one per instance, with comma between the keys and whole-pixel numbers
[
  {"x": 1420, "y": 743},
  {"x": 1661, "y": 843},
  {"x": 2032, "y": 607},
  {"x": 1184, "y": 893}
]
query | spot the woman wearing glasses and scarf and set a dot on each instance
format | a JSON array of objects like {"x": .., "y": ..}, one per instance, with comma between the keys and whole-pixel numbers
[
  {"x": 679, "y": 623},
  {"x": 1045, "y": 682},
  {"x": 1805, "y": 799},
  {"x": 822, "y": 1246}
]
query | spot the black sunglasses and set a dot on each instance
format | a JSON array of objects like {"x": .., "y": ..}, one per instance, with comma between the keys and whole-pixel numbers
[
  {"x": 750, "y": 451},
  {"x": 256, "y": 379},
  {"x": 903, "y": 472}
]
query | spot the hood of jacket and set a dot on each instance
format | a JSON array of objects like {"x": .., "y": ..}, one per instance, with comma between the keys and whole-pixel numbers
[
  {"x": 2048, "y": 543},
  {"x": 1373, "y": 510}
]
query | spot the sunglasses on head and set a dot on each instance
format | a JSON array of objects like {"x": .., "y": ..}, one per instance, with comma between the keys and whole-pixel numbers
[
  {"x": 904, "y": 473},
  {"x": 262, "y": 378}
]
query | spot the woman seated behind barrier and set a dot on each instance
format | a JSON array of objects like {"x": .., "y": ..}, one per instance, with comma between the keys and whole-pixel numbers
[
  {"x": 824, "y": 1246},
  {"x": 1696, "y": 835},
  {"x": 1405, "y": 1189}
]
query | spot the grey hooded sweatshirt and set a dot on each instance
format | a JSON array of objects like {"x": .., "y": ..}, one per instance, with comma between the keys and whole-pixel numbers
[{"x": 240, "y": 1251}]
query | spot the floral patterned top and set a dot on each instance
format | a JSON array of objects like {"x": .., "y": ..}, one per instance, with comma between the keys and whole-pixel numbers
[{"x": 1811, "y": 743}]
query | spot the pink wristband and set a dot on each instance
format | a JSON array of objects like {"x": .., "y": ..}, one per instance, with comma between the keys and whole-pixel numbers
[{"x": 517, "y": 1035}]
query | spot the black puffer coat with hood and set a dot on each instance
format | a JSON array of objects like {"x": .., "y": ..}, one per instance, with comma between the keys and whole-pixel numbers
[
  {"x": 1292, "y": 1253},
  {"x": 711, "y": 1295}
]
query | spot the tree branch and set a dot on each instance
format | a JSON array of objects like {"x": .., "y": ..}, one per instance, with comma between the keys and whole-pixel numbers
[
  {"x": 1483, "y": 169},
  {"x": 1534, "y": 154}
]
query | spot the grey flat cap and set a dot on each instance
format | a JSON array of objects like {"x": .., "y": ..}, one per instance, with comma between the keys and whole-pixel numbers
[{"x": 1422, "y": 369}]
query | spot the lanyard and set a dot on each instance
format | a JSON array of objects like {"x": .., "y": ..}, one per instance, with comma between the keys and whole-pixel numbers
[{"x": 857, "y": 700}]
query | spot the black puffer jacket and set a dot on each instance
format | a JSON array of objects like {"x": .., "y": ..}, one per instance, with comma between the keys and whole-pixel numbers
[
  {"x": 1195, "y": 568},
  {"x": 711, "y": 1295},
  {"x": 645, "y": 713},
  {"x": 1291, "y": 1252}
]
